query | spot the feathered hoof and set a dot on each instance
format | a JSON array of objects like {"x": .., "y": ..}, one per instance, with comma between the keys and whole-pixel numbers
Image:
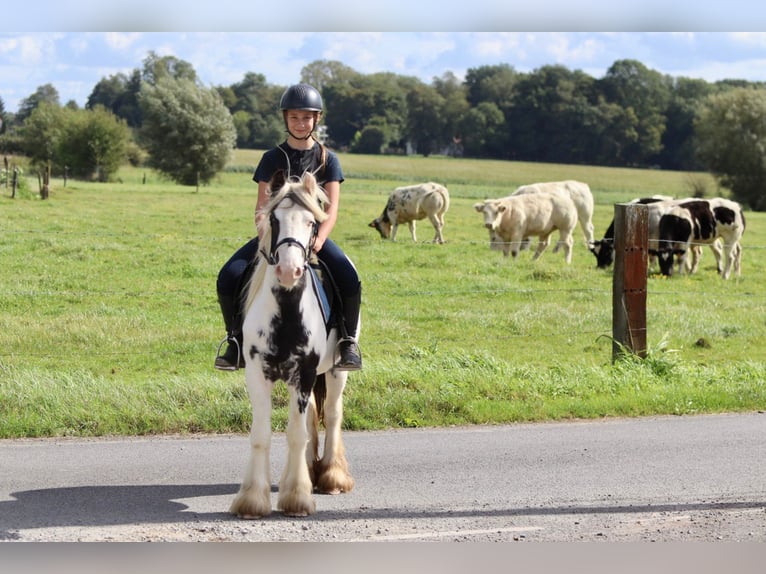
[
  {"x": 333, "y": 479},
  {"x": 250, "y": 507},
  {"x": 297, "y": 504}
]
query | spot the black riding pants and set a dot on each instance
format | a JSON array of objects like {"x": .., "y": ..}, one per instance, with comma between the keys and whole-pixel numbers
[{"x": 235, "y": 273}]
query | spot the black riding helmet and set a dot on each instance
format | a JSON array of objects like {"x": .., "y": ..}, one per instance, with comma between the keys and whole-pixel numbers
[{"x": 301, "y": 97}]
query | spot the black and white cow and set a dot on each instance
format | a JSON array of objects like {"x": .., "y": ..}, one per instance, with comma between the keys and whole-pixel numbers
[
  {"x": 603, "y": 249},
  {"x": 716, "y": 222}
]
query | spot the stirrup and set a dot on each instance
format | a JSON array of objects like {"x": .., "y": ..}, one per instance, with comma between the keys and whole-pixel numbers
[
  {"x": 346, "y": 366},
  {"x": 239, "y": 359}
]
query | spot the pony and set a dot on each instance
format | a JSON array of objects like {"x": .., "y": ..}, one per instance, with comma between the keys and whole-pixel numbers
[{"x": 286, "y": 337}]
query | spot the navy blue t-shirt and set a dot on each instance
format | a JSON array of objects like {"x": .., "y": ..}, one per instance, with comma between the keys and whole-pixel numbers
[{"x": 296, "y": 162}]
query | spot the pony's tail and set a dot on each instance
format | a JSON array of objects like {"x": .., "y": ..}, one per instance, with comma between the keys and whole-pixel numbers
[{"x": 320, "y": 394}]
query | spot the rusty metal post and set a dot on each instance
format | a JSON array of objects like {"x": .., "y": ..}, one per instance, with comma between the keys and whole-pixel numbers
[{"x": 629, "y": 280}]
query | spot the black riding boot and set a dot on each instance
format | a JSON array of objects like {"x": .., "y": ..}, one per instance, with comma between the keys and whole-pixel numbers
[
  {"x": 233, "y": 358},
  {"x": 350, "y": 356}
]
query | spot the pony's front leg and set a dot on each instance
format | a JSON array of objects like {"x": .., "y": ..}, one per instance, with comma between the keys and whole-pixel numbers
[
  {"x": 254, "y": 497},
  {"x": 332, "y": 474},
  {"x": 295, "y": 488}
]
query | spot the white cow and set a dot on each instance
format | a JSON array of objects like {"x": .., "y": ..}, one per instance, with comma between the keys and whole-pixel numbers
[
  {"x": 577, "y": 191},
  {"x": 512, "y": 220},
  {"x": 410, "y": 203}
]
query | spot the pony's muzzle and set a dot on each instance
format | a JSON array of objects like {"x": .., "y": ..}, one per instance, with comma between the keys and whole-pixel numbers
[{"x": 288, "y": 275}]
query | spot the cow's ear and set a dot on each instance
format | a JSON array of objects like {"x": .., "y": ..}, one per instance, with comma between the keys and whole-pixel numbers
[
  {"x": 371, "y": 224},
  {"x": 478, "y": 206},
  {"x": 501, "y": 208}
]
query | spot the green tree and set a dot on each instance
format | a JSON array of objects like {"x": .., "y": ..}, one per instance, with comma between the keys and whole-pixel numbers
[
  {"x": 2, "y": 116},
  {"x": 119, "y": 93},
  {"x": 157, "y": 68},
  {"x": 94, "y": 143},
  {"x": 493, "y": 84},
  {"x": 453, "y": 111},
  {"x": 549, "y": 110},
  {"x": 645, "y": 93},
  {"x": 42, "y": 132},
  {"x": 45, "y": 94},
  {"x": 731, "y": 139},
  {"x": 426, "y": 125},
  {"x": 254, "y": 104},
  {"x": 370, "y": 140},
  {"x": 321, "y": 72},
  {"x": 489, "y": 90},
  {"x": 678, "y": 152},
  {"x": 187, "y": 130},
  {"x": 481, "y": 127}
]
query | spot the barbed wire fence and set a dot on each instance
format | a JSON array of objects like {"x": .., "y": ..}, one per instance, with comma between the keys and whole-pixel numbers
[{"x": 403, "y": 292}]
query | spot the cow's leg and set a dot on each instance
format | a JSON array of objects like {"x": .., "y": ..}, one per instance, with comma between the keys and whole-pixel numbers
[
  {"x": 394, "y": 227},
  {"x": 542, "y": 245},
  {"x": 295, "y": 488},
  {"x": 738, "y": 258},
  {"x": 589, "y": 230},
  {"x": 568, "y": 241},
  {"x": 437, "y": 223},
  {"x": 691, "y": 264},
  {"x": 413, "y": 231},
  {"x": 254, "y": 497},
  {"x": 332, "y": 471},
  {"x": 718, "y": 252},
  {"x": 729, "y": 255}
]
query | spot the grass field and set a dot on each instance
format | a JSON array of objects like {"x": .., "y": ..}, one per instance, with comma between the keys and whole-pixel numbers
[{"x": 109, "y": 322}]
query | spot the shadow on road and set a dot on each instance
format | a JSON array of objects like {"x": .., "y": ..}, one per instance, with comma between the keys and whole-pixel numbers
[{"x": 118, "y": 505}]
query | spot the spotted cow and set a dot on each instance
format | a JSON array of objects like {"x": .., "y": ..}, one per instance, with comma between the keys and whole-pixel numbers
[{"x": 411, "y": 203}]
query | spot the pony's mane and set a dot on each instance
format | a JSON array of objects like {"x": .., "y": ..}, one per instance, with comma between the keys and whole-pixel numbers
[{"x": 304, "y": 191}]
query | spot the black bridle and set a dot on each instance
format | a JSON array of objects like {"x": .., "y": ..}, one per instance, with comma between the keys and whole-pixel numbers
[{"x": 272, "y": 257}]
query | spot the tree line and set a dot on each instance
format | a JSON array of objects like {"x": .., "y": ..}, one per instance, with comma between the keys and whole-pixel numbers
[{"x": 633, "y": 116}]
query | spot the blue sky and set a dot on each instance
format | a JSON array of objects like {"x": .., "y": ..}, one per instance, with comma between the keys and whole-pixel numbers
[{"x": 73, "y": 47}]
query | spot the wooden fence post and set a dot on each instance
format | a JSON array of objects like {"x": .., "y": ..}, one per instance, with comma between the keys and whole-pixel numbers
[{"x": 629, "y": 279}]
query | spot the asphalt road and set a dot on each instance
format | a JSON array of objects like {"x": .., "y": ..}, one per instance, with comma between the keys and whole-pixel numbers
[{"x": 693, "y": 478}]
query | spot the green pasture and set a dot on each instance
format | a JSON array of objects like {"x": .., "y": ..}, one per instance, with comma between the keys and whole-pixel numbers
[{"x": 109, "y": 322}]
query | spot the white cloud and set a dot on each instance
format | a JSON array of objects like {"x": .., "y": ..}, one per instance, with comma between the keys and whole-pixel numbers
[
  {"x": 121, "y": 41},
  {"x": 750, "y": 38}
]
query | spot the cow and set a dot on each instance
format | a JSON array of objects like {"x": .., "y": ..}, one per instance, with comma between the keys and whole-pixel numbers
[
  {"x": 577, "y": 191},
  {"x": 603, "y": 249},
  {"x": 512, "y": 220},
  {"x": 716, "y": 222},
  {"x": 411, "y": 203}
]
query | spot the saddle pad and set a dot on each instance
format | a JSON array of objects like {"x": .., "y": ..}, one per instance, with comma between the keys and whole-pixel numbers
[{"x": 324, "y": 302}]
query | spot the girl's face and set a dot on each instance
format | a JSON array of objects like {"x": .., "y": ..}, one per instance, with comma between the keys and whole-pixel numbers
[{"x": 300, "y": 122}]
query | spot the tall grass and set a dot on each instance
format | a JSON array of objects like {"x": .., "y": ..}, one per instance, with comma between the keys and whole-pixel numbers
[{"x": 109, "y": 322}]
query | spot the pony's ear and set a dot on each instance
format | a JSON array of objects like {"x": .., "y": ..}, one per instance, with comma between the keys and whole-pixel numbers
[
  {"x": 277, "y": 181},
  {"x": 309, "y": 181}
]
